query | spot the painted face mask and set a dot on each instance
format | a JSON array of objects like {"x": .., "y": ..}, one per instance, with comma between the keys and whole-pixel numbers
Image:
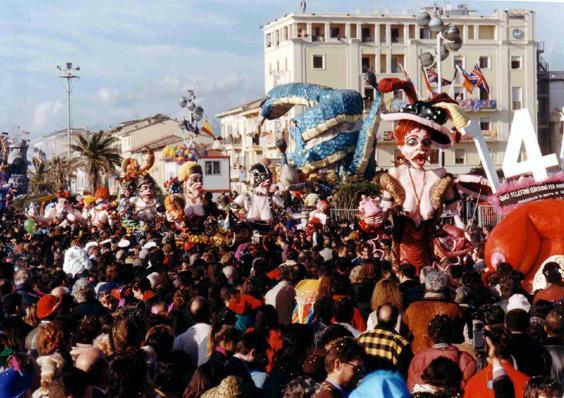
[{"x": 417, "y": 147}]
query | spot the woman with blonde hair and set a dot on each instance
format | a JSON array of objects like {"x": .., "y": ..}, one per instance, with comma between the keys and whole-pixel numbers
[{"x": 385, "y": 291}]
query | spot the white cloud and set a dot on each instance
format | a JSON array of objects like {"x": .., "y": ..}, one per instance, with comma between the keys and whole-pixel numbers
[
  {"x": 45, "y": 112},
  {"x": 108, "y": 95}
]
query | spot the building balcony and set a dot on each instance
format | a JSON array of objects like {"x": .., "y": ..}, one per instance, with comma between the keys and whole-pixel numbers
[{"x": 475, "y": 105}]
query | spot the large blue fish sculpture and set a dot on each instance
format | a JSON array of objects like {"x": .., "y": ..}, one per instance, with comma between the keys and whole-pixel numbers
[{"x": 330, "y": 133}]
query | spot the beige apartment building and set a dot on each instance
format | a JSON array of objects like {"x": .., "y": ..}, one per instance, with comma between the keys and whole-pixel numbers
[{"x": 333, "y": 49}]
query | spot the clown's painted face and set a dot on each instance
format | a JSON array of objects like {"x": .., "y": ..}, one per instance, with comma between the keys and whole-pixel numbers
[
  {"x": 417, "y": 147},
  {"x": 62, "y": 202},
  {"x": 146, "y": 191},
  {"x": 194, "y": 185}
]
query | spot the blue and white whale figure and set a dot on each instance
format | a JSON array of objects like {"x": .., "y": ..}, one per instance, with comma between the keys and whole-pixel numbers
[{"x": 331, "y": 131}]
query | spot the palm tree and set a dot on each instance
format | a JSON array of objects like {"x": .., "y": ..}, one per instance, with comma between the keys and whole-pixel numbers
[
  {"x": 59, "y": 170},
  {"x": 39, "y": 183},
  {"x": 98, "y": 155}
]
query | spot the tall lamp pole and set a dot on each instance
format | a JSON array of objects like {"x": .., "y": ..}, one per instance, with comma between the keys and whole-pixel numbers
[
  {"x": 448, "y": 39},
  {"x": 68, "y": 72}
]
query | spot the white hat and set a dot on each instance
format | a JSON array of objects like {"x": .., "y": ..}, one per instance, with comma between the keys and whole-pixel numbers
[
  {"x": 518, "y": 302},
  {"x": 155, "y": 279},
  {"x": 90, "y": 244},
  {"x": 150, "y": 245},
  {"x": 124, "y": 243},
  {"x": 105, "y": 242}
]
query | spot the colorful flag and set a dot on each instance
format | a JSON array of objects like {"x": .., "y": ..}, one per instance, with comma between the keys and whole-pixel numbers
[
  {"x": 426, "y": 81},
  {"x": 468, "y": 82},
  {"x": 433, "y": 77},
  {"x": 479, "y": 78},
  {"x": 207, "y": 128}
]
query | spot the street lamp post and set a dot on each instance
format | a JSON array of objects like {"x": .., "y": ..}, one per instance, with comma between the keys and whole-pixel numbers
[
  {"x": 448, "y": 38},
  {"x": 68, "y": 72}
]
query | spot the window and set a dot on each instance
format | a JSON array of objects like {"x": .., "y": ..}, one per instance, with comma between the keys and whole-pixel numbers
[
  {"x": 470, "y": 32},
  {"x": 317, "y": 34},
  {"x": 396, "y": 34},
  {"x": 484, "y": 62},
  {"x": 459, "y": 156},
  {"x": 365, "y": 63},
  {"x": 515, "y": 62},
  {"x": 397, "y": 60},
  {"x": 335, "y": 33},
  {"x": 516, "y": 98},
  {"x": 318, "y": 62},
  {"x": 486, "y": 32},
  {"x": 425, "y": 33},
  {"x": 434, "y": 158},
  {"x": 213, "y": 167},
  {"x": 366, "y": 34},
  {"x": 412, "y": 31},
  {"x": 269, "y": 40},
  {"x": 485, "y": 124}
]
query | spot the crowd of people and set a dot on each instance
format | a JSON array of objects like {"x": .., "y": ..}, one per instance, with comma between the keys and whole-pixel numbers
[{"x": 92, "y": 311}]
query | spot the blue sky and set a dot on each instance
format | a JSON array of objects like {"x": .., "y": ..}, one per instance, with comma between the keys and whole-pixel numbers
[{"x": 137, "y": 57}]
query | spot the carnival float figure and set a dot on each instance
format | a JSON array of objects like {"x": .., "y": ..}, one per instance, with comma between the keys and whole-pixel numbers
[
  {"x": 413, "y": 195},
  {"x": 187, "y": 209},
  {"x": 60, "y": 213},
  {"x": 13, "y": 163},
  {"x": 261, "y": 204},
  {"x": 99, "y": 214},
  {"x": 145, "y": 207},
  {"x": 132, "y": 170}
]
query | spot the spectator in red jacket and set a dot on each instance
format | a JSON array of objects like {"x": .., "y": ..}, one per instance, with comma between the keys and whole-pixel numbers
[{"x": 441, "y": 330}]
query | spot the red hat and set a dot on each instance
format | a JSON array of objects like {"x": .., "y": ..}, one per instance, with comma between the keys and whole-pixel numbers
[
  {"x": 63, "y": 194},
  {"x": 47, "y": 305}
]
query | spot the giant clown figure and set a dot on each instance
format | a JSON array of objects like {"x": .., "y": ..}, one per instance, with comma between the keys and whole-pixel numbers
[{"x": 412, "y": 193}]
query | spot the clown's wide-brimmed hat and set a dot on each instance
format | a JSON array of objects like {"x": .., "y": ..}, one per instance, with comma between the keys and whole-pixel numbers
[
  {"x": 189, "y": 168},
  {"x": 433, "y": 113}
]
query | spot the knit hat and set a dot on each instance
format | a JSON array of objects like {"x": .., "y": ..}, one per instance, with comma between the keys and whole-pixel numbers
[
  {"x": 47, "y": 305},
  {"x": 518, "y": 302},
  {"x": 14, "y": 384}
]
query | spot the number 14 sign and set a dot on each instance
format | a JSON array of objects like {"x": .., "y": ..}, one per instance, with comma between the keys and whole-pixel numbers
[{"x": 522, "y": 134}]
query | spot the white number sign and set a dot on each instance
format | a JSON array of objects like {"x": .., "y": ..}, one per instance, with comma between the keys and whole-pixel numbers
[
  {"x": 523, "y": 132},
  {"x": 473, "y": 130}
]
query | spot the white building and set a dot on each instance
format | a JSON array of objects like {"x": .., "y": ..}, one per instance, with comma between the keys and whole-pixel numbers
[{"x": 332, "y": 49}]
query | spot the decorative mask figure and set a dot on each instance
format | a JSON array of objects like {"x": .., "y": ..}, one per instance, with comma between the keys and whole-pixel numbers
[
  {"x": 261, "y": 203},
  {"x": 60, "y": 212},
  {"x": 144, "y": 205},
  {"x": 417, "y": 195}
]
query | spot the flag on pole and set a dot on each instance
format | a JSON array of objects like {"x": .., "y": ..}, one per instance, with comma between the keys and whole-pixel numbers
[
  {"x": 467, "y": 80},
  {"x": 453, "y": 82},
  {"x": 479, "y": 78},
  {"x": 426, "y": 81},
  {"x": 207, "y": 128},
  {"x": 433, "y": 77}
]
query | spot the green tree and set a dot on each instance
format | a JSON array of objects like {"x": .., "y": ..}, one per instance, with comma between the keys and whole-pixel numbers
[
  {"x": 39, "y": 182},
  {"x": 59, "y": 170},
  {"x": 98, "y": 155}
]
